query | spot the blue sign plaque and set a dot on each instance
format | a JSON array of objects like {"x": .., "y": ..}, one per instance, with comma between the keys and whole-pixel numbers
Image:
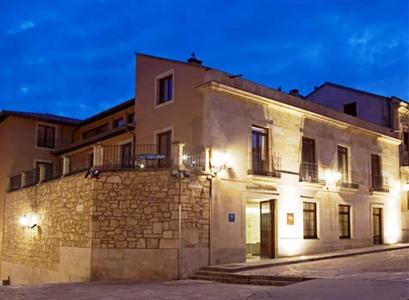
[{"x": 232, "y": 217}]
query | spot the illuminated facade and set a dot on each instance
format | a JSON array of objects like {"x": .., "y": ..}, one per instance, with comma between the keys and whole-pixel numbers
[{"x": 219, "y": 170}]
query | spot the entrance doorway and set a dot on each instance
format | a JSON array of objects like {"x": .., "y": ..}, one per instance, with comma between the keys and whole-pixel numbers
[
  {"x": 377, "y": 225},
  {"x": 260, "y": 237}
]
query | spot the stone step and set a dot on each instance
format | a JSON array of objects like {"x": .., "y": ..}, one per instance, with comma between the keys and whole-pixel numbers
[{"x": 226, "y": 277}]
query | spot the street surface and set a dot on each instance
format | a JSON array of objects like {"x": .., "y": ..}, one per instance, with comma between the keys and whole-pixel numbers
[{"x": 382, "y": 275}]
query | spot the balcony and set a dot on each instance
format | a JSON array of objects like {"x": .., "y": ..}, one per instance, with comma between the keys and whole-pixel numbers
[
  {"x": 379, "y": 184},
  {"x": 265, "y": 165},
  {"x": 15, "y": 182},
  {"x": 195, "y": 157},
  {"x": 309, "y": 173}
]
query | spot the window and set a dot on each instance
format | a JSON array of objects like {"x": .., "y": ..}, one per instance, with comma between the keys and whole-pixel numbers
[
  {"x": 45, "y": 136},
  {"x": 259, "y": 149},
  {"x": 343, "y": 163},
  {"x": 350, "y": 109},
  {"x": 376, "y": 172},
  {"x": 126, "y": 155},
  {"x": 164, "y": 147},
  {"x": 344, "y": 222},
  {"x": 310, "y": 220},
  {"x": 165, "y": 89},
  {"x": 309, "y": 168},
  {"x": 131, "y": 118},
  {"x": 119, "y": 123},
  {"x": 48, "y": 166},
  {"x": 95, "y": 131},
  {"x": 406, "y": 141}
]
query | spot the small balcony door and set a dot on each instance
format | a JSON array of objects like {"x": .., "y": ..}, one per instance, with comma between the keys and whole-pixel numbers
[
  {"x": 376, "y": 172},
  {"x": 164, "y": 148},
  {"x": 309, "y": 167},
  {"x": 267, "y": 229},
  {"x": 259, "y": 150},
  {"x": 126, "y": 155}
]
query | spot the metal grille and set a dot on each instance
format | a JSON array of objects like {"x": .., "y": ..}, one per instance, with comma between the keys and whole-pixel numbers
[
  {"x": 194, "y": 157},
  {"x": 266, "y": 165},
  {"x": 15, "y": 182},
  {"x": 32, "y": 177},
  {"x": 81, "y": 162}
]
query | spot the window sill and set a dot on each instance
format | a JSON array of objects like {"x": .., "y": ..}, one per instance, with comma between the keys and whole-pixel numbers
[{"x": 164, "y": 103}]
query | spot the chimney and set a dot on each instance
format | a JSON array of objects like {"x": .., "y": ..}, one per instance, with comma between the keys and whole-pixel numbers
[
  {"x": 193, "y": 60},
  {"x": 294, "y": 92}
]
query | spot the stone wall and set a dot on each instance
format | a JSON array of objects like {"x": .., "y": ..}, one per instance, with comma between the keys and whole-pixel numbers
[
  {"x": 123, "y": 225},
  {"x": 63, "y": 210}
]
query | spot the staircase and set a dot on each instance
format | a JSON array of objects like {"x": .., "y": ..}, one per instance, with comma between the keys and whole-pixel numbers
[{"x": 208, "y": 273}]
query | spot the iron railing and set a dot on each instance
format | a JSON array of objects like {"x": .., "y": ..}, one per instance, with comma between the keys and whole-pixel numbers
[
  {"x": 309, "y": 173},
  {"x": 53, "y": 171},
  {"x": 142, "y": 156},
  {"x": 32, "y": 177},
  {"x": 379, "y": 183},
  {"x": 15, "y": 182},
  {"x": 81, "y": 162},
  {"x": 265, "y": 165},
  {"x": 194, "y": 157}
]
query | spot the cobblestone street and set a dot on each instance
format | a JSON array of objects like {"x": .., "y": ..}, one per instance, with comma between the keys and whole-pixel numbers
[{"x": 382, "y": 275}]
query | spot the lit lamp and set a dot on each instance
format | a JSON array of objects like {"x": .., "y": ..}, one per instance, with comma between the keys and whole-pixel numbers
[
  {"x": 405, "y": 187},
  {"x": 219, "y": 161},
  {"x": 331, "y": 179},
  {"x": 30, "y": 222}
]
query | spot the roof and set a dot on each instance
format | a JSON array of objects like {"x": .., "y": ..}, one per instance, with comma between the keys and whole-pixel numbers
[
  {"x": 174, "y": 60},
  {"x": 39, "y": 116},
  {"x": 109, "y": 111},
  {"x": 327, "y": 83},
  {"x": 92, "y": 140}
]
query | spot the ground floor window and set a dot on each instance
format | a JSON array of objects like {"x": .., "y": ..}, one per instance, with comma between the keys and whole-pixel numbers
[
  {"x": 344, "y": 222},
  {"x": 310, "y": 220}
]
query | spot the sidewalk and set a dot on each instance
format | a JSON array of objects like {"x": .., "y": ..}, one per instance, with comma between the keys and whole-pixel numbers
[{"x": 264, "y": 263}]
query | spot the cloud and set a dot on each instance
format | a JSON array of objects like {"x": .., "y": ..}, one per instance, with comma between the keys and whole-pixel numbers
[
  {"x": 374, "y": 46},
  {"x": 23, "y": 26}
]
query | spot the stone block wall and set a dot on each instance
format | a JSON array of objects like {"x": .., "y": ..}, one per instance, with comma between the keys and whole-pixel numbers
[{"x": 123, "y": 225}]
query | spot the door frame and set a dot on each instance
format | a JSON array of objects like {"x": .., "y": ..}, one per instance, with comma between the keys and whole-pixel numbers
[
  {"x": 380, "y": 221},
  {"x": 273, "y": 225}
]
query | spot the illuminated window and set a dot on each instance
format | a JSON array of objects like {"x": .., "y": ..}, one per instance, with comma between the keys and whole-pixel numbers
[
  {"x": 344, "y": 222},
  {"x": 310, "y": 220}
]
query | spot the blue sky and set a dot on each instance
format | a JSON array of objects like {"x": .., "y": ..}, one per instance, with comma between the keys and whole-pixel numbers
[{"x": 76, "y": 58}]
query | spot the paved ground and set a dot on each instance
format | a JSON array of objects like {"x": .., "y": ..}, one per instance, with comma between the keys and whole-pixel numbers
[
  {"x": 383, "y": 275},
  {"x": 387, "y": 266}
]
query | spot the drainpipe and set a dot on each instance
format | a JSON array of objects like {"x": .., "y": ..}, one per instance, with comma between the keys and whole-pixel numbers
[
  {"x": 180, "y": 227},
  {"x": 210, "y": 220}
]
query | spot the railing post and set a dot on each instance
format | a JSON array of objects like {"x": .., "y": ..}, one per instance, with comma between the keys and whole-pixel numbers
[
  {"x": 98, "y": 155},
  {"x": 207, "y": 159},
  {"x": 42, "y": 173},
  {"x": 65, "y": 165},
  {"x": 23, "y": 179},
  {"x": 177, "y": 155}
]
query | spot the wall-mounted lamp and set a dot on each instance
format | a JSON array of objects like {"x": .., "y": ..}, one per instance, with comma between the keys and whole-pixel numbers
[
  {"x": 30, "y": 222},
  {"x": 331, "y": 179},
  {"x": 220, "y": 161}
]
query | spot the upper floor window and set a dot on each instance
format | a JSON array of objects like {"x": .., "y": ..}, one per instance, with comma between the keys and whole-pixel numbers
[
  {"x": 119, "y": 123},
  {"x": 350, "y": 109},
  {"x": 343, "y": 163},
  {"x": 406, "y": 141},
  {"x": 131, "y": 118},
  {"x": 95, "y": 131},
  {"x": 45, "y": 136},
  {"x": 376, "y": 172},
  {"x": 165, "y": 89},
  {"x": 259, "y": 149},
  {"x": 309, "y": 167}
]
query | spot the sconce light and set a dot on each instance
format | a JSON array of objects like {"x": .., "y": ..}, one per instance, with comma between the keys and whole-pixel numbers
[
  {"x": 405, "y": 187},
  {"x": 220, "y": 161},
  {"x": 331, "y": 179},
  {"x": 30, "y": 222}
]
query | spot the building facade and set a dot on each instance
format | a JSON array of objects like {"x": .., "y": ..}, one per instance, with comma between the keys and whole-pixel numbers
[
  {"x": 214, "y": 169},
  {"x": 389, "y": 112}
]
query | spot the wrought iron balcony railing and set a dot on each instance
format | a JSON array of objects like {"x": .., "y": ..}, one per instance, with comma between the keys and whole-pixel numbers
[
  {"x": 265, "y": 165},
  {"x": 379, "y": 183},
  {"x": 309, "y": 173}
]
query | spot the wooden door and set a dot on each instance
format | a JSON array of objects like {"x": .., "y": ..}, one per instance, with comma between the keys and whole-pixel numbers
[
  {"x": 377, "y": 225},
  {"x": 164, "y": 148},
  {"x": 267, "y": 229}
]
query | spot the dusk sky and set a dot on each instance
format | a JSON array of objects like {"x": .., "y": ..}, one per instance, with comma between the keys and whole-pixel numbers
[{"x": 76, "y": 58}]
